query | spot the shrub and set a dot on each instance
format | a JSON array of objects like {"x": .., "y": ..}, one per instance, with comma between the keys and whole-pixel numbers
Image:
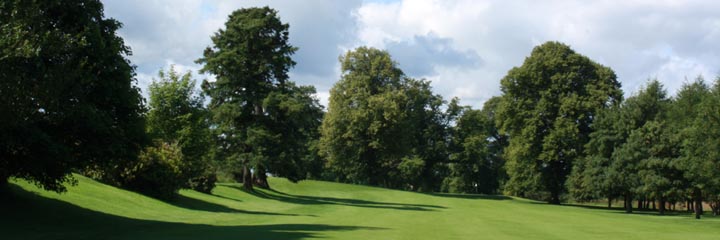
[{"x": 158, "y": 171}]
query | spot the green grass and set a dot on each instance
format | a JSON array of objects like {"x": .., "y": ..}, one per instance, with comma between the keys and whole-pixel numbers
[{"x": 314, "y": 209}]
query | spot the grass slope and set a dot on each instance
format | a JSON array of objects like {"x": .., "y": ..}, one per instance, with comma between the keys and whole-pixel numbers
[{"x": 313, "y": 209}]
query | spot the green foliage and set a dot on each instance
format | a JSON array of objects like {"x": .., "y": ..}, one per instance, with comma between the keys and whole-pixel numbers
[
  {"x": 547, "y": 107},
  {"x": 476, "y": 163},
  {"x": 158, "y": 172},
  {"x": 379, "y": 119},
  {"x": 261, "y": 120},
  {"x": 67, "y": 99},
  {"x": 294, "y": 114},
  {"x": 700, "y": 148},
  {"x": 204, "y": 183},
  {"x": 177, "y": 116}
]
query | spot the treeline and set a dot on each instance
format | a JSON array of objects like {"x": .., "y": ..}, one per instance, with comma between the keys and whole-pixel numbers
[
  {"x": 561, "y": 130},
  {"x": 652, "y": 148},
  {"x": 385, "y": 129}
]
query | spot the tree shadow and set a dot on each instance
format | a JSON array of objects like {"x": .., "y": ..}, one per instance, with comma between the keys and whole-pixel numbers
[
  {"x": 200, "y": 205},
  {"x": 621, "y": 210},
  {"x": 313, "y": 200},
  {"x": 26, "y": 215},
  {"x": 470, "y": 196}
]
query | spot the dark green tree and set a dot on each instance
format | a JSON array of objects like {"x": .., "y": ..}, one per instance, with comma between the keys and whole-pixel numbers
[
  {"x": 294, "y": 116},
  {"x": 697, "y": 113},
  {"x": 622, "y": 177},
  {"x": 262, "y": 120},
  {"x": 476, "y": 164},
  {"x": 67, "y": 94},
  {"x": 589, "y": 177},
  {"x": 430, "y": 127},
  {"x": 547, "y": 107},
  {"x": 657, "y": 151}
]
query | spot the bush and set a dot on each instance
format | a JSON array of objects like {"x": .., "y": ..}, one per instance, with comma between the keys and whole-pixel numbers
[
  {"x": 204, "y": 183},
  {"x": 158, "y": 171}
]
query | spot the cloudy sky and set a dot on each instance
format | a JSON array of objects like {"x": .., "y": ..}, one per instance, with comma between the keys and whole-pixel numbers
[{"x": 464, "y": 47}]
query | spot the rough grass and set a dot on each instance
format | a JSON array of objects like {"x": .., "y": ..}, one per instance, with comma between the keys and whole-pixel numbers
[{"x": 314, "y": 209}]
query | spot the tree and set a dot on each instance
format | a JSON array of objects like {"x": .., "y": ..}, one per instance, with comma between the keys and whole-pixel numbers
[
  {"x": 657, "y": 150},
  {"x": 697, "y": 113},
  {"x": 383, "y": 128},
  {"x": 476, "y": 163},
  {"x": 177, "y": 116},
  {"x": 361, "y": 134},
  {"x": 68, "y": 97},
  {"x": 294, "y": 116},
  {"x": 253, "y": 105},
  {"x": 589, "y": 177},
  {"x": 430, "y": 129},
  {"x": 547, "y": 107}
]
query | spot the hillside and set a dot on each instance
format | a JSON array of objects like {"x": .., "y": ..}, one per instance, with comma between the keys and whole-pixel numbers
[{"x": 314, "y": 209}]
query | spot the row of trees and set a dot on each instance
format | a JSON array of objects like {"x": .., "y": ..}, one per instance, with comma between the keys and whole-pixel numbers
[
  {"x": 559, "y": 130},
  {"x": 383, "y": 128},
  {"x": 654, "y": 148}
]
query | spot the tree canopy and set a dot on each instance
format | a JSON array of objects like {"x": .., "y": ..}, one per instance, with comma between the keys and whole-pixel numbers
[
  {"x": 253, "y": 104},
  {"x": 67, "y": 94},
  {"x": 547, "y": 107}
]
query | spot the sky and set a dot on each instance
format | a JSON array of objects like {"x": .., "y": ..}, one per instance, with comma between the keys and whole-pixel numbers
[{"x": 464, "y": 47}]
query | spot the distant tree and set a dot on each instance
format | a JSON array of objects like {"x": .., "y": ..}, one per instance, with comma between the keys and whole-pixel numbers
[
  {"x": 383, "y": 128},
  {"x": 362, "y": 132},
  {"x": 294, "y": 116},
  {"x": 476, "y": 163},
  {"x": 262, "y": 120},
  {"x": 660, "y": 178},
  {"x": 622, "y": 172},
  {"x": 697, "y": 113},
  {"x": 547, "y": 107},
  {"x": 177, "y": 116},
  {"x": 589, "y": 177},
  {"x": 429, "y": 125},
  {"x": 67, "y": 94}
]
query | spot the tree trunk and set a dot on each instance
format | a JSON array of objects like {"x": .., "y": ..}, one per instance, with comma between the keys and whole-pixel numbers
[
  {"x": 609, "y": 202},
  {"x": 697, "y": 195},
  {"x": 247, "y": 179},
  {"x": 653, "y": 204},
  {"x": 662, "y": 205},
  {"x": 554, "y": 197},
  {"x": 640, "y": 204},
  {"x": 628, "y": 203},
  {"x": 261, "y": 178},
  {"x": 689, "y": 206}
]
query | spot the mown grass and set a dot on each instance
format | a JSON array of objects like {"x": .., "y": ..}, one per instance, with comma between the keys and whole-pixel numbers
[{"x": 314, "y": 209}]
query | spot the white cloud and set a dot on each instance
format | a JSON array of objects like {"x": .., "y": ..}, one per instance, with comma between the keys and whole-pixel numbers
[
  {"x": 161, "y": 33},
  {"x": 668, "y": 40}
]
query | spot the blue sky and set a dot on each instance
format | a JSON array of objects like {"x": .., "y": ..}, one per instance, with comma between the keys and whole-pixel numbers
[{"x": 463, "y": 46}]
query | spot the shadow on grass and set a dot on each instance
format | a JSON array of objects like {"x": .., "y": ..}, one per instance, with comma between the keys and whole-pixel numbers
[
  {"x": 26, "y": 215},
  {"x": 201, "y": 205},
  {"x": 621, "y": 210},
  {"x": 471, "y": 196},
  {"x": 313, "y": 200}
]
